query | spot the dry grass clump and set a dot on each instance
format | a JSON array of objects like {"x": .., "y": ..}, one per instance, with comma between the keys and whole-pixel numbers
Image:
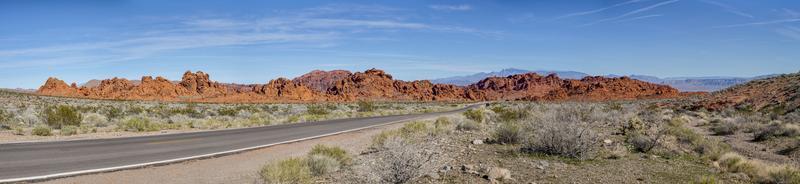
[
  {"x": 399, "y": 161},
  {"x": 319, "y": 161},
  {"x": 336, "y": 153},
  {"x": 476, "y": 115},
  {"x": 508, "y": 133},
  {"x": 776, "y": 130},
  {"x": 292, "y": 170},
  {"x": 42, "y": 131},
  {"x": 760, "y": 172},
  {"x": 724, "y": 128},
  {"x": 322, "y": 164}
]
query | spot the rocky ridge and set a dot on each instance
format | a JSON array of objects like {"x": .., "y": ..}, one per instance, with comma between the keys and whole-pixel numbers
[{"x": 370, "y": 85}]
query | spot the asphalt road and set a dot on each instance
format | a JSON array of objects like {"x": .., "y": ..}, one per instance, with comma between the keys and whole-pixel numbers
[{"x": 47, "y": 160}]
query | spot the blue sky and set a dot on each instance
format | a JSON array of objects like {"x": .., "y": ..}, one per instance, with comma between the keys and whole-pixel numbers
[{"x": 255, "y": 41}]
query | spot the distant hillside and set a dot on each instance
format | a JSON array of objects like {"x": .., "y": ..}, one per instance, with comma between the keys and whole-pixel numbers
[
  {"x": 780, "y": 93},
  {"x": 474, "y": 78},
  {"x": 686, "y": 84}
]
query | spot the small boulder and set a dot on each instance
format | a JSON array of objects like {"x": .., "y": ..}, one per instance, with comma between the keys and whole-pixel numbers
[
  {"x": 497, "y": 174},
  {"x": 477, "y": 141}
]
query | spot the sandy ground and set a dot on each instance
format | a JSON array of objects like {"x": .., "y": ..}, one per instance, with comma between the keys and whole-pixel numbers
[{"x": 237, "y": 168}]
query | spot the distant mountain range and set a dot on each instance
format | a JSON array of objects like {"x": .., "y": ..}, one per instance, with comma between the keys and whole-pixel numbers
[
  {"x": 689, "y": 84},
  {"x": 470, "y": 79}
]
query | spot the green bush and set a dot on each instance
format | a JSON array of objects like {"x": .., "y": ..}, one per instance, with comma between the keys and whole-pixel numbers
[
  {"x": 227, "y": 111},
  {"x": 364, "y": 106},
  {"x": 293, "y": 170},
  {"x": 322, "y": 164},
  {"x": 42, "y": 131},
  {"x": 508, "y": 133},
  {"x": 474, "y": 115},
  {"x": 332, "y": 151},
  {"x": 69, "y": 130},
  {"x": 317, "y": 110},
  {"x": 139, "y": 125},
  {"x": 507, "y": 114},
  {"x": 4, "y": 116},
  {"x": 62, "y": 115}
]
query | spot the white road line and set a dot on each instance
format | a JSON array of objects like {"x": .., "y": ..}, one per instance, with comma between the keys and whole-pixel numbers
[{"x": 108, "y": 169}]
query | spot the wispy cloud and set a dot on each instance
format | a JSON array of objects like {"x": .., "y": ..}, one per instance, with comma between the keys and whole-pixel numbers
[
  {"x": 728, "y": 8},
  {"x": 308, "y": 28},
  {"x": 638, "y": 18},
  {"x": 780, "y": 21},
  {"x": 789, "y": 32},
  {"x": 576, "y": 14},
  {"x": 461, "y": 7},
  {"x": 640, "y": 10}
]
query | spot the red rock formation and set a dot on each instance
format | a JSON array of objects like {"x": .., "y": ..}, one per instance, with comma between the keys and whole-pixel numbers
[
  {"x": 283, "y": 89},
  {"x": 779, "y": 94},
  {"x": 535, "y": 87},
  {"x": 57, "y": 87},
  {"x": 370, "y": 85},
  {"x": 322, "y": 80}
]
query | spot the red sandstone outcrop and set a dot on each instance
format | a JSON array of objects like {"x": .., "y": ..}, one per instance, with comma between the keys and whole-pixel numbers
[
  {"x": 531, "y": 86},
  {"x": 779, "y": 94},
  {"x": 322, "y": 80},
  {"x": 370, "y": 85}
]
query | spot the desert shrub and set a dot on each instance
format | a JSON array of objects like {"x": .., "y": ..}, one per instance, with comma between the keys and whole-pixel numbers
[
  {"x": 95, "y": 119},
  {"x": 413, "y": 128},
  {"x": 322, "y": 164},
  {"x": 441, "y": 124},
  {"x": 62, "y": 115},
  {"x": 507, "y": 133},
  {"x": 4, "y": 116},
  {"x": 113, "y": 113},
  {"x": 474, "y": 115},
  {"x": 509, "y": 114},
  {"x": 19, "y": 131},
  {"x": 137, "y": 124},
  {"x": 568, "y": 139},
  {"x": 468, "y": 125},
  {"x": 643, "y": 143},
  {"x": 334, "y": 152},
  {"x": 42, "y": 131},
  {"x": 710, "y": 149},
  {"x": 402, "y": 161},
  {"x": 69, "y": 130},
  {"x": 224, "y": 111},
  {"x": 724, "y": 128},
  {"x": 317, "y": 110},
  {"x": 292, "y": 170},
  {"x": 784, "y": 175},
  {"x": 365, "y": 106},
  {"x": 760, "y": 172},
  {"x": 776, "y": 130},
  {"x": 380, "y": 139}
]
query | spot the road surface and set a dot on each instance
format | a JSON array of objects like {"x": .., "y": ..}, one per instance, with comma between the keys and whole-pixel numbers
[{"x": 48, "y": 160}]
